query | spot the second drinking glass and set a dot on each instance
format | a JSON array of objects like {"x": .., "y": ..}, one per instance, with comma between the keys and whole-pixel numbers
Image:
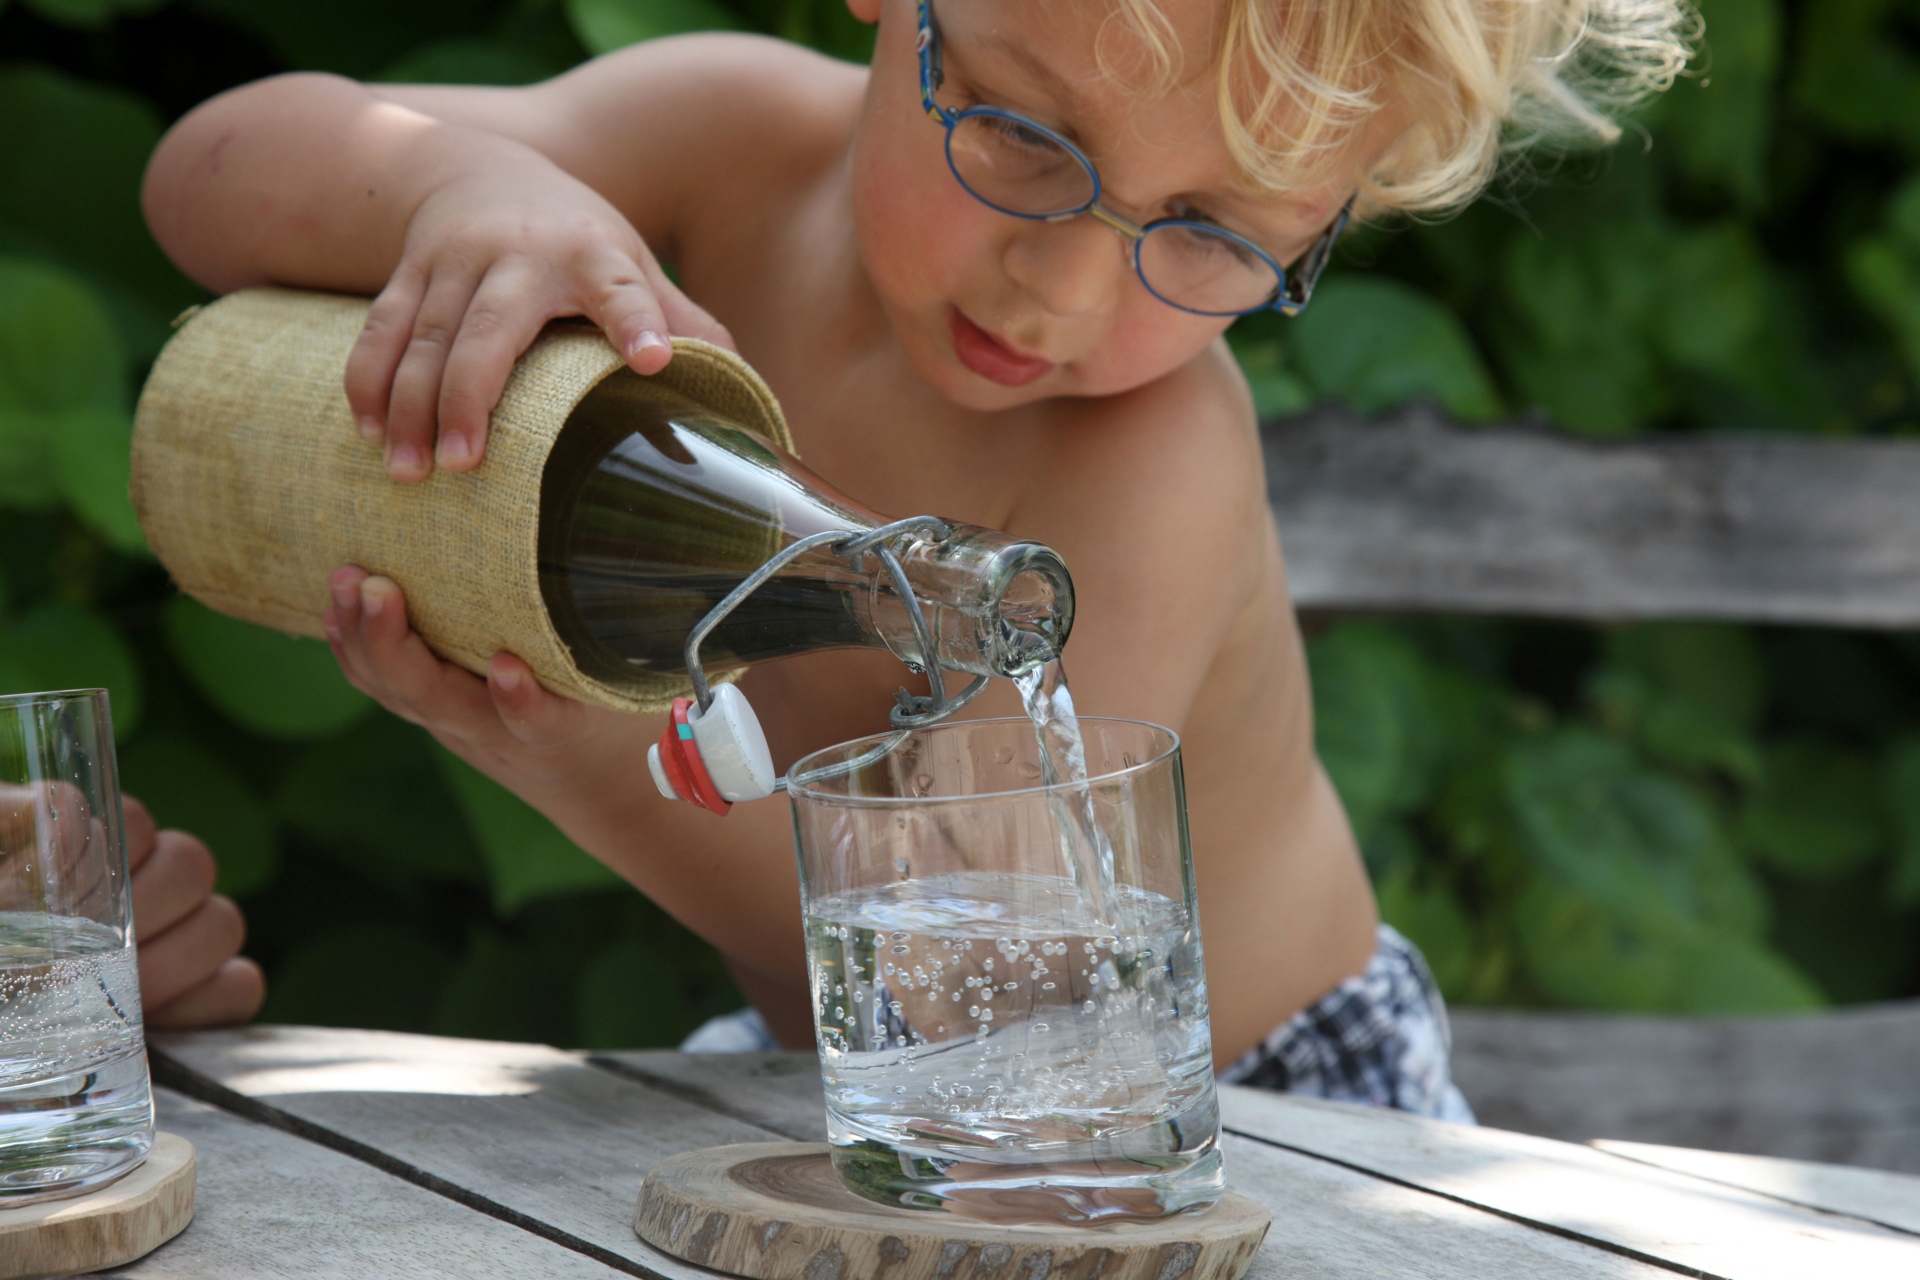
[{"x": 999, "y": 1037}]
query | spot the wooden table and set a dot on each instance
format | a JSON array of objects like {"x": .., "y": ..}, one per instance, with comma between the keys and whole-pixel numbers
[{"x": 362, "y": 1154}]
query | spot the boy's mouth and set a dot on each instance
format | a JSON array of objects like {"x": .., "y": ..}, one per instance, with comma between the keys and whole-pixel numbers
[{"x": 991, "y": 358}]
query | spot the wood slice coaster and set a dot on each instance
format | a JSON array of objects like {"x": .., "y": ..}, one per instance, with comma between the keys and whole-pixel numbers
[
  {"x": 778, "y": 1211},
  {"x": 121, "y": 1221}
]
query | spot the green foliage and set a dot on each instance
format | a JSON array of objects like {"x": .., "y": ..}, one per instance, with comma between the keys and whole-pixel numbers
[
  {"x": 186, "y": 787},
  {"x": 606, "y": 25},
  {"x": 527, "y": 856},
  {"x": 276, "y": 685},
  {"x": 1686, "y": 817}
]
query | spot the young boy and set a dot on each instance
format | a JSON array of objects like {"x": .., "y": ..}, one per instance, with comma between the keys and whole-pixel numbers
[{"x": 898, "y": 251}]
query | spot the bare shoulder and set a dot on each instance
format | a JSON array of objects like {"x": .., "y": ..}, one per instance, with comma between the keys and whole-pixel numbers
[
  {"x": 1179, "y": 457},
  {"x": 715, "y": 102},
  {"x": 1164, "y": 522}
]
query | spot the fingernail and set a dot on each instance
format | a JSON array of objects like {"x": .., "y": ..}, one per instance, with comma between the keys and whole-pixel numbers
[
  {"x": 647, "y": 338},
  {"x": 370, "y": 427},
  {"x": 508, "y": 679},
  {"x": 405, "y": 459},
  {"x": 371, "y": 601},
  {"x": 454, "y": 451},
  {"x": 345, "y": 593}
]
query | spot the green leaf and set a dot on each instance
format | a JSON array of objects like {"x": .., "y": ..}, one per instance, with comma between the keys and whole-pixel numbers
[
  {"x": 1376, "y": 344},
  {"x": 279, "y": 686},
  {"x": 354, "y": 37},
  {"x": 1716, "y": 299},
  {"x": 29, "y": 477},
  {"x": 1689, "y": 693},
  {"x": 469, "y": 60},
  {"x": 1432, "y": 918},
  {"x": 89, "y": 14},
  {"x": 505, "y": 989},
  {"x": 1277, "y": 390},
  {"x": 1856, "y": 76},
  {"x": 364, "y": 974},
  {"x": 1816, "y": 813},
  {"x": 1641, "y": 844},
  {"x": 92, "y": 456},
  {"x": 1375, "y": 725},
  {"x": 73, "y": 154},
  {"x": 1720, "y": 120},
  {"x": 606, "y": 25},
  {"x": 1582, "y": 952},
  {"x": 1901, "y": 787},
  {"x": 186, "y": 787},
  {"x": 58, "y": 646},
  {"x": 58, "y": 347},
  {"x": 529, "y": 858},
  {"x": 629, "y": 997},
  {"x": 375, "y": 798}
]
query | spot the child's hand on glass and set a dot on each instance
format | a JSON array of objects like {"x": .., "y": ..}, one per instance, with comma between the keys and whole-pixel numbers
[
  {"x": 490, "y": 258},
  {"x": 191, "y": 971}
]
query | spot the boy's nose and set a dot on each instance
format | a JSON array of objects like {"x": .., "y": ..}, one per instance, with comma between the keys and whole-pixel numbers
[{"x": 1075, "y": 267}]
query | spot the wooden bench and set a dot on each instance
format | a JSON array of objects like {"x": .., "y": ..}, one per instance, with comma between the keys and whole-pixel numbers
[{"x": 1410, "y": 514}]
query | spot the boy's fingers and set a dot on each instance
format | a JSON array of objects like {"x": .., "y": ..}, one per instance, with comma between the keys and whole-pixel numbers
[
  {"x": 413, "y": 411},
  {"x": 688, "y": 319},
  {"x": 387, "y": 659},
  {"x": 184, "y": 956},
  {"x": 170, "y": 884},
  {"x": 138, "y": 827},
  {"x": 531, "y": 714},
  {"x": 498, "y": 326},
  {"x": 618, "y": 296},
  {"x": 233, "y": 994},
  {"x": 377, "y": 351}
]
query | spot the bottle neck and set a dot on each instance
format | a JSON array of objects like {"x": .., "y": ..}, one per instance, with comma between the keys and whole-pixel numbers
[
  {"x": 993, "y": 605},
  {"x": 653, "y": 509}
]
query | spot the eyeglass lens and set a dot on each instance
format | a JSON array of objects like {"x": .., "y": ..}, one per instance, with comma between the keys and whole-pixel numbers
[{"x": 1020, "y": 170}]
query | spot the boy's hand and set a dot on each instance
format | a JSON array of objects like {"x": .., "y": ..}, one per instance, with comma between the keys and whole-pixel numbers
[
  {"x": 543, "y": 746},
  {"x": 488, "y": 260},
  {"x": 191, "y": 972}
]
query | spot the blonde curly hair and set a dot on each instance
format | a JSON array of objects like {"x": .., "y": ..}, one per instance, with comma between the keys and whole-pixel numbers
[{"x": 1479, "y": 80}]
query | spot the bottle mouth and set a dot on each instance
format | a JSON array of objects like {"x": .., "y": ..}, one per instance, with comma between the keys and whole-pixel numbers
[
  {"x": 994, "y": 605},
  {"x": 1033, "y": 613}
]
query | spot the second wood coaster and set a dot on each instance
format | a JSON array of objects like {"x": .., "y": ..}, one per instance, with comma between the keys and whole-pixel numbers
[
  {"x": 121, "y": 1221},
  {"x": 778, "y": 1211}
]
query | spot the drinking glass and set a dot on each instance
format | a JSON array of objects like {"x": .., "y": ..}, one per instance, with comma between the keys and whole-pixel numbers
[
  {"x": 76, "y": 1108},
  {"x": 1007, "y": 982}
]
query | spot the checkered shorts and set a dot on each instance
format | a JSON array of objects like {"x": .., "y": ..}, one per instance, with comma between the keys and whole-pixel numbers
[{"x": 1379, "y": 1038}]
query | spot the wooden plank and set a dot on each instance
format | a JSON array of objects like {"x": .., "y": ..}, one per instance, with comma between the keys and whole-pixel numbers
[
  {"x": 531, "y": 1132},
  {"x": 1409, "y": 513},
  {"x": 1329, "y": 1221},
  {"x": 1650, "y": 1213},
  {"x": 271, "y": 1205},
  {"x": 1838, "y": 1087},
  {"x": 780, "y": 1092},
  {"x": 1891, "y": 1199}
]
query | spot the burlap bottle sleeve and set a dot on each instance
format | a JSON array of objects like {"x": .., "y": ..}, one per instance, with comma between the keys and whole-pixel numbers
[{"x": 253, "y": 484}]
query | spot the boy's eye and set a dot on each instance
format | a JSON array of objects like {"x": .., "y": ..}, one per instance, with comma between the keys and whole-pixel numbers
[
  {"x": 1199, "y": 243},
  {"x": 1014, "y": 133}
]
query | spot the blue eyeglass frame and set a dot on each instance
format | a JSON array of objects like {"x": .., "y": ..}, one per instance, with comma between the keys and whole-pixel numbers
[{"x": 1293, "y": 291}]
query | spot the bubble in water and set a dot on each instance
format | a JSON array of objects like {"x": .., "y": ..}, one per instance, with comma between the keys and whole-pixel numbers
[
  {"x": 973, "y": 1011},
  {"x": 1003, "y": 754},
  {"x": 1046, "y": 986},
  {"x": 956, "y": 997},
  {"x": 986, "y": 1015},
  {"x": 899, "y": 949},
  {"x": 900, "y": 865},
  {"x": 923, "y": 784},
  {"x": 987, "y": 965},
  {"x": 1028, "y": 770},
  {"x": 1040, "y": 1026}
]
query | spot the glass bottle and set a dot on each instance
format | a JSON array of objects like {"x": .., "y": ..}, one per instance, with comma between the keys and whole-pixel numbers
[{"x": 653, "y": 507}]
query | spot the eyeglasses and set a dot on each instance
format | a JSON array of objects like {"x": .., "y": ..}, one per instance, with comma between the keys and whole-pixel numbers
[{"x": 1022, "y": 168}]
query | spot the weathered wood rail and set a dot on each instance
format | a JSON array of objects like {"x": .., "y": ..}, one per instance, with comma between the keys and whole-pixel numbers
[{"x": 1410, "y": 514}]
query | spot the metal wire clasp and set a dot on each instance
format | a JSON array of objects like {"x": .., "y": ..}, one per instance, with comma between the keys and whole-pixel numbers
[{"x": 910, "y": 711}]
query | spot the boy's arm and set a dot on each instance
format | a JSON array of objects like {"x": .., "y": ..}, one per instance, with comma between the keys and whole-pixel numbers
[{"x": 472, "y": 212}]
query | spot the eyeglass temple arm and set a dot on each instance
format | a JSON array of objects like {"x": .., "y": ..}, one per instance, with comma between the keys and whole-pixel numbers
[{"x": 1306, "y": 275}]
